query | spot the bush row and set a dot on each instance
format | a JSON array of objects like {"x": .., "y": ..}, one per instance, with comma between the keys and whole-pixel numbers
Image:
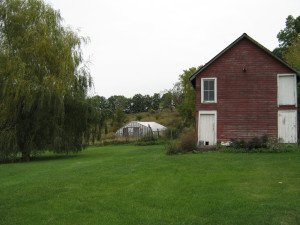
[{"x": 187, "y": 143}]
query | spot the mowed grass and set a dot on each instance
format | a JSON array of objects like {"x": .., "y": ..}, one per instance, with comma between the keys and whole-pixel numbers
[{"x": 141, "y": 185}]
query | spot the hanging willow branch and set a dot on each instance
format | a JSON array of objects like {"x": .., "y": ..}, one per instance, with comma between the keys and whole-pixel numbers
[{"x": 43, "y": 85}]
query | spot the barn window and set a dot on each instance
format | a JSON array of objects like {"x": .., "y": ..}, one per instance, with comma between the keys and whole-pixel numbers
[{"x": 209, "y": 90}]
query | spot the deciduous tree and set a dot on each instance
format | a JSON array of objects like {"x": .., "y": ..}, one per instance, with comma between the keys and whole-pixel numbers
[
  {"x": 187, "y": 107},
  {"x": 292, "y": 54},
  {"x": 288, "y": 35},
  {"x": 43, "y": 84}
]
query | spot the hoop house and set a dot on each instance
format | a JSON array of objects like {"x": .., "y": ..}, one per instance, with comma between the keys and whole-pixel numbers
[{"x": 137, "y": 129}]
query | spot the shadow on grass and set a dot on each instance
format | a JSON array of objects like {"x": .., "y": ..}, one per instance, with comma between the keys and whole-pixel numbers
[
  {"x": 52, "y": 157},
  {"x": 40, "y": 158}
]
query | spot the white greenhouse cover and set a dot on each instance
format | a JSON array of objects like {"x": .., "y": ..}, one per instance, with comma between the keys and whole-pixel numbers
[
  {"x": 154, "y": 126},
  {"x": 140, "y": 128}
]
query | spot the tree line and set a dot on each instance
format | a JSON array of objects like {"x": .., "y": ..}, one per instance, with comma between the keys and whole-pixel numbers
[
  {"x": 180, "y": 98},
  {"x": 112, "y": 112}
]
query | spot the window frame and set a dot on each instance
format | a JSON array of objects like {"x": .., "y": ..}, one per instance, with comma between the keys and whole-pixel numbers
[{"x": 215, "y": 89}]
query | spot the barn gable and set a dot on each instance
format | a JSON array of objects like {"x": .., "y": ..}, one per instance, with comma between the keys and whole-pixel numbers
[{"x": 243, "y": 36}]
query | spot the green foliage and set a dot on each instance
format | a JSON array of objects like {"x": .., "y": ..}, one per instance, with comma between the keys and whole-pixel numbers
[
  {"x": 287, "y": 36},
  {"x": 182, "y": 98},
  {"x": 185, "y": 143},
  {"x": 139, "y": 117},
  {"x": 291, "y": 31},
  {"x": 117, "y": 102},
  {"x": 167, "y": 100},
  {"x": 258, "y": 144},
  {"x": 149, "y": 139},
  {"x": 172, "y": 133},
  {"x": 95, "y": 120},
  {"x": 118, "y": 119},
  {"x": 172, "y": 148},
  {"x": 188, "y": 141},
  {"x": 187, "y": 107},
  {"x": 238, "y": 144},
  {"x": 155, "y": 101},
  {"x": 138, "y": 103},
  {"x": 254, "y": 143},
  {"x": 42, "y": 81},
  {"x": 292, "y": 54}
]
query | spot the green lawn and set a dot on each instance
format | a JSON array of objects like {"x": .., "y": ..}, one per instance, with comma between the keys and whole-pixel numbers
[{"x": 141, "y": 185}]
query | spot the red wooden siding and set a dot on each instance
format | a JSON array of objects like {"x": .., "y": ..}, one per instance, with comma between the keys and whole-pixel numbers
[{"x": 246, "y": 101}]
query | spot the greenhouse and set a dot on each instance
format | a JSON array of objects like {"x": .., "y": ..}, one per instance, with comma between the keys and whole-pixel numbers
[{"x": 137, "y": 129}]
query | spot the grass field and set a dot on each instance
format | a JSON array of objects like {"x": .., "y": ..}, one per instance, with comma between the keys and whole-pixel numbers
[{"x": 141, "y": 185}]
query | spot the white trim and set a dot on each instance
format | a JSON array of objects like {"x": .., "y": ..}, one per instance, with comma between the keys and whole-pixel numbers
[
  {"x": 288, "y": 110},
  {"x": 296, "y": 89},
  {"x": 208, "y": 112},
  {"x": 202, "y": 89}
]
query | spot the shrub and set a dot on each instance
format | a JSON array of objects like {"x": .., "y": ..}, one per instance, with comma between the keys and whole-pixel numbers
[
  {"x": 172, "y": 133},
  {"x": 188, "y": 141},
  {"x": 147, "y": 139},
  {"x": 254, "y": 143},
  {"x": 260, "y": 144},
  {"x": 237, "y": 144},
  {"x": 172, "y": 148},
  {"x": 274, "y": 145}
]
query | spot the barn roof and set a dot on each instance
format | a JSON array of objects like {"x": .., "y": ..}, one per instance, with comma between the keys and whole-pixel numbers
[{"x": 244, "y": 35}]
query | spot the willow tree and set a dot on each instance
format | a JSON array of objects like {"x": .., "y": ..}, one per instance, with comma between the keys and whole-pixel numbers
[{"x": 43, "y": 81}]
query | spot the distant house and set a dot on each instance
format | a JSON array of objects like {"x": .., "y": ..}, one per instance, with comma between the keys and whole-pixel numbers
[
  {"x": 137, "y": 129},
  {"x": 243, "y": 92}
]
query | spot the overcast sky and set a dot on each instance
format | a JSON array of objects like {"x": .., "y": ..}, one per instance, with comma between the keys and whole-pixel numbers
[{"x": 141, "y": 46}]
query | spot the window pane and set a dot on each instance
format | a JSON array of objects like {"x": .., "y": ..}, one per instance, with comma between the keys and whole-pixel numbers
[
  {"x": 211, "y": 85},
  {"x": 206, "y": 96},
  {"x": 209, "y": 96},
  {"x": 206, "y": 85},
  {"x": 212, "y": 96}
]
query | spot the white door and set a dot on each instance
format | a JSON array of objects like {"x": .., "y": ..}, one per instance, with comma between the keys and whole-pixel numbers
[
  {"x": 207, "y": 128},
  {"x": 287, "y": 126}
]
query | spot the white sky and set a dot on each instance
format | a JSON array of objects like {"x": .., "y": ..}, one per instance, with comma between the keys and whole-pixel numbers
[{"x": 141, "y": 46}]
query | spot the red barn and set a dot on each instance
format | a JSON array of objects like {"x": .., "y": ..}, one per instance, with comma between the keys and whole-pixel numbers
[{"x": 244, "y": 92}]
